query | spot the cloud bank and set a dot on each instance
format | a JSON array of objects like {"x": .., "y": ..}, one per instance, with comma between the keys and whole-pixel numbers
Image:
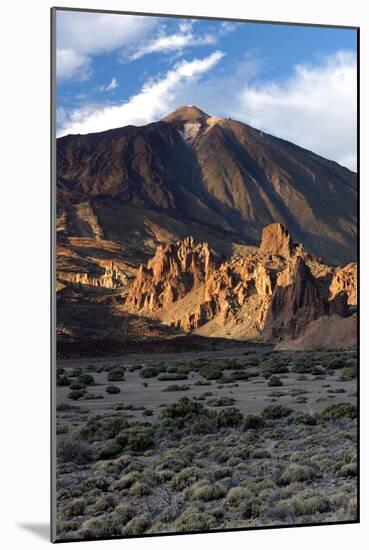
[
  {"x": 81, "y": 35},
  {"x": 314, "y": 108}
]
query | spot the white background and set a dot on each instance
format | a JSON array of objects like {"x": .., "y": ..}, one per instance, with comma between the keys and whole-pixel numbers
[{"x": 24, "y": 254}]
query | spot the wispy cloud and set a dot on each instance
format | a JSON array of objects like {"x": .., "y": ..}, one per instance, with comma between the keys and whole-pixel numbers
[
  {"x": 113, "y": 84},
  {"x": 157, "y": 97},
  {"x": 163, "y": 43}
]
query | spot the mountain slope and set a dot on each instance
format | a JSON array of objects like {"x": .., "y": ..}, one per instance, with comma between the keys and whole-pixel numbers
[{"x": 214, "y": 173}]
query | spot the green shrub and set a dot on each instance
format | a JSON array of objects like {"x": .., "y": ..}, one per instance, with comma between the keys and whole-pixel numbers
[
  {"x": 276, "y": 411},
  {"x": 63, "y": 527},
  {"x": 137, "y": 526},
  {"x": 105, "y": 504},
  {"x": 86, "y": 379},
  {"x": 349, "y": 373},
  {"x": 185, "y": 478},
  {"x": 339, "y": 410},
  {"x": 206, "y": 492},
  {"x": 100, "y": 428},
  {"x": 76, "y": 386},
  {"x": 62, "y": 429},
  {"x": 102, "y": 527},
  {"x": 111, "y": 449},
  {"x": 252, "y": 422},
  {"x": 237, "y": 495},
  {"x": 220, "y": 402},
  {"x": 229, "y": 418},
  {"x": 139, "y": 489},
  {"x": 211, "y": 372},
  {"x": 150, "y": 371},
  {"x": 63, "y": 380},
  {"x": 310, "y": 505},
  {"x": 88, "y": 396},
  {"x": 73, "y": 450},
  {"x": 166, "y": 376},
  {"x": 302, "y": 418},
  {"x": 195, "y": 520},
  {"x": 76, "y": 372},
  {"x": 183, "y": 411},
  {"x": 75, "y": 508},
  {"x": 116, "y": 374},
  {"x": 126, "y": 481},
  {"x": 177, "y": 387},
  {"x": 66, "y": 407},
  {"x": 274, "y": 381},
  {"x": 260, "y": 453},
  {"x": 297, "y": 473},
  {"x": 124, "y": 513},
  {"x": 222, "y": 473},
  {"x": 140, "y": 438},
  {"x": 348, "y": 470},
  {"x": 241, "y": 375},
  {"x": 273, "y": 366},
  {"x": 112, "y": 389},
  {"x": 333, "y": 363},
  {"x": 76, "y": 394}
]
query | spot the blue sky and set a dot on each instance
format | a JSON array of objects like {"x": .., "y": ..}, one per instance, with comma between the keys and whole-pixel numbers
[{"x": 295, "y": 82}]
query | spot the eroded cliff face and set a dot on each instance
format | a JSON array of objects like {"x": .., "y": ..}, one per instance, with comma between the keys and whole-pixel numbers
[
  {"x": 295, "y": 304},
  {"x": 274, "y": 291},
  {"x": 275, "y": 239},
  {"x": 106, "y": 274},
  {"x": 345, "y": 281},
  {"x": 175, "y": 270}
]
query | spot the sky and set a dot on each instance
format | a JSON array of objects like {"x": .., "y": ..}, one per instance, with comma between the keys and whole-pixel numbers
[{"x": 295, "y": 82}]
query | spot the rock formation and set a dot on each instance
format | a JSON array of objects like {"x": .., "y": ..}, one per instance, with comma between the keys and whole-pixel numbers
[
  {"x": 175, "y": 270},
  {"x": 123, "y": 192},
  {"x": 275, "y": 239},
  {"x": 273, "y": 292},
  {"x": 345, "y": 280},
  {"x": 295, "y": 304}
]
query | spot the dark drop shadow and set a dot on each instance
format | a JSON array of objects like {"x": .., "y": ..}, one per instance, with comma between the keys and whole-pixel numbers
[{"x": 42, "y": 530}]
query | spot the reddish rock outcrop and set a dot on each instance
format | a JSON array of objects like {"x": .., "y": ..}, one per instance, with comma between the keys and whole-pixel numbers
[
  {"x": 175, "y": 270},
  {"x": 273, "y": 292},
  {"x": 275, "y": 239},
  {"x": 345, "y": 280},
  {"x": 295, "y": 304}
]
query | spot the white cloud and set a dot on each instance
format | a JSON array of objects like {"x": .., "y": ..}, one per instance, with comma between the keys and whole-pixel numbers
[
  {"x": 314, "y": 108},
  {"x": 81, "y": 35},
  {"x": 70, "y": 64},
  {"x": 156, "y": 98},
  {"x": 174, "y": 42},
  {"x": 113, "y": 84}
]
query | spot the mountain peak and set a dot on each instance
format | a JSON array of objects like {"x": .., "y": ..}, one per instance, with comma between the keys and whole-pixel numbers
[{"x": 186, "y": 113}]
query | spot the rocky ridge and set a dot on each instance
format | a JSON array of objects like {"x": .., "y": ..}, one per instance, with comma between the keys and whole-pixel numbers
[{"x": 273, "y": 292}]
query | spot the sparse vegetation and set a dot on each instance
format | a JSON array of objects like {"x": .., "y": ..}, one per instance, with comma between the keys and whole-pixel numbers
[
  {"x": 112, "y": 389},
  {"x": 201, "y": 462}
]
